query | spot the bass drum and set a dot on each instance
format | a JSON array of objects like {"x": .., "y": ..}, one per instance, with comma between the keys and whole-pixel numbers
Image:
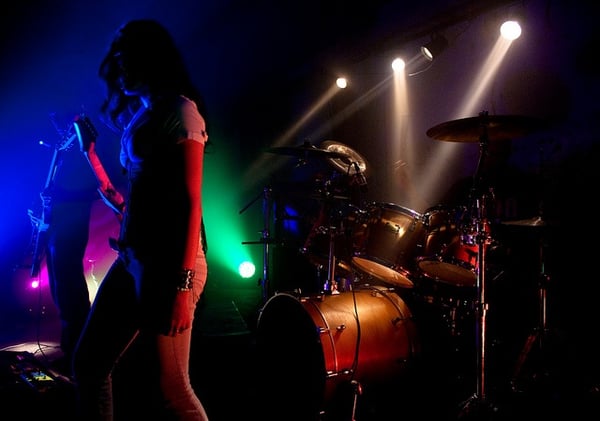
[{"x": 312, "y": 348}]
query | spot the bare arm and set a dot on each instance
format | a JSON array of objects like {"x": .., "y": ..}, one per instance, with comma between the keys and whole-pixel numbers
[
  {"x": 193, "y": 164},
  {"x": 110, "y": 195},
  {"x": 193, "y": 151}
]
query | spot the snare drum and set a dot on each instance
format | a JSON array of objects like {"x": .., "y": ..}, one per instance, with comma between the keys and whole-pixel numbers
[{"x": 390, "y": 244}]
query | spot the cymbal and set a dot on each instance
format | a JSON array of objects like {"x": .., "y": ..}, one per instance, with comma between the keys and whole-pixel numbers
[
  {"x": 496, "y": 127},
  {"x": 536, "y": 221},
  {"x": 305, "y": 151},
  {"x": 350, "y": 157}
]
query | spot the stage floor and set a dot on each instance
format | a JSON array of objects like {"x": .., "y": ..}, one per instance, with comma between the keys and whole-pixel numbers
[{"x": 244, "y": 367}]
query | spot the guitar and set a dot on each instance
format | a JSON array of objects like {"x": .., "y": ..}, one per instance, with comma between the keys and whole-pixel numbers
[
  {"x": 41, "y": 222},
  {"x": 87, "y": 135},
  {"x": 85, "y": 131}
]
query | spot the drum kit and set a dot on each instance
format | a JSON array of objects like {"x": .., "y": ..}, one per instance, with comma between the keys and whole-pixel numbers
[{"x": 371, "y": 251}]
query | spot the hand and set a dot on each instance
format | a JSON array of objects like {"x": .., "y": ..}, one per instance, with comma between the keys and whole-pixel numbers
[{"x": 181, "y": 316}]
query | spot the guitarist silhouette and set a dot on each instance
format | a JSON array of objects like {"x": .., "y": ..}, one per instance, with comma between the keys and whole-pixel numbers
[
  {"x": 41, "y": 223},
  {"x": 61, "y": 232}
]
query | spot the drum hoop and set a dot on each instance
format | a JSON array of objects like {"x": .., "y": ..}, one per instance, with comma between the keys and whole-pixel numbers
[{"x": 394, "y": 206}]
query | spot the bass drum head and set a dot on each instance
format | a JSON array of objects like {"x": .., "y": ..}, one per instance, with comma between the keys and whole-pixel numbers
[{"x": 290, "y": 357}]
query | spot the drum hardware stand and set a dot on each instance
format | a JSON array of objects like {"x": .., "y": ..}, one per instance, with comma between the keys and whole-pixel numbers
[
  {"x": 330, "y": 287},
  {"x": 265, "y": 239},
  {"x": 357, "y": 391},
  {"x": 481, "y": 307},
  {"x": 540, "y": 333},
  {"x": 478, "y": 401}
]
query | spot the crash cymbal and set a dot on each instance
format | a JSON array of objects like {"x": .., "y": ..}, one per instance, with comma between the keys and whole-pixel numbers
[
  {"x": 350, "y": 158},
  {"x": 495, "y": 127},
  {"x": 305, "y": 151}
]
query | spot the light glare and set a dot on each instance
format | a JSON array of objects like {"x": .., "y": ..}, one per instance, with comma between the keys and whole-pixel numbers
[
  {"x": 510, "y": 30},
  {"x": 427, "y": 53},
  {"x": 398, "y": 65},
  {"x": 246, "y": 269}
]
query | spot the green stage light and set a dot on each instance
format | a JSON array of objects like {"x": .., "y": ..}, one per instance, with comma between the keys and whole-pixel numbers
[
  {"x": 246, "y": 269},
  {"x": 226, "y": 229}
]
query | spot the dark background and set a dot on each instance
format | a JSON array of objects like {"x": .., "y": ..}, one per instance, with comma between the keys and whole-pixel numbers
[{"x": 263, "y": 65}]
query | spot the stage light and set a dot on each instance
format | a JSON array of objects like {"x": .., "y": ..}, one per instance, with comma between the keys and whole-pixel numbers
[
  {"x": 398, "y": 65},
  {"x": 434, "y": 47},
  {"x": 510, "y": 30},
  {"x": 341, "y": 82},
  {"x": 246, "y": 269}
]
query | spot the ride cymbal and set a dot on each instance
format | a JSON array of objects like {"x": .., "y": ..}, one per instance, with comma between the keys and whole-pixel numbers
[{"x": 495, "y": 127}]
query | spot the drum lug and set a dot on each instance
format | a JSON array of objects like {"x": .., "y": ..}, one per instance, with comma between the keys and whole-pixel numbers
[
  {"x": 339, "y": 328},
  {"x": 344, "y": 372},
  {"x": 413, "y": 225}
]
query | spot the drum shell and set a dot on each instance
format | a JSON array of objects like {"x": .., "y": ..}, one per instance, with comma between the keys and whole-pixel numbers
[
  {"x": 392, "y": 239},
  {"x": 447, "y": 257}
]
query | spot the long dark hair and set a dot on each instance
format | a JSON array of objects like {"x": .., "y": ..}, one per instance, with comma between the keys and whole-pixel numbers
[{"x": 154, "y": 60}]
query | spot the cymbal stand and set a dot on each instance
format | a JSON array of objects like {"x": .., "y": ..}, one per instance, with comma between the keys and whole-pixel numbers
[
  {"x": 482, "y": 239},
  {"x": 329, "y": 286},
  {"x": 331, "y": 214},
  {"x": 481, "y": 307},
  {"x": 540, "y": 333},
  {"x": 265, "y": 239}
]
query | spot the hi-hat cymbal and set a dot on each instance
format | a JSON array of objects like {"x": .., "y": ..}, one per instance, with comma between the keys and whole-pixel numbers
[
  {"x": 495, "y": 127},
  {"x": 305, "y": 151},
  {"x": 350, "y": 158}
]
